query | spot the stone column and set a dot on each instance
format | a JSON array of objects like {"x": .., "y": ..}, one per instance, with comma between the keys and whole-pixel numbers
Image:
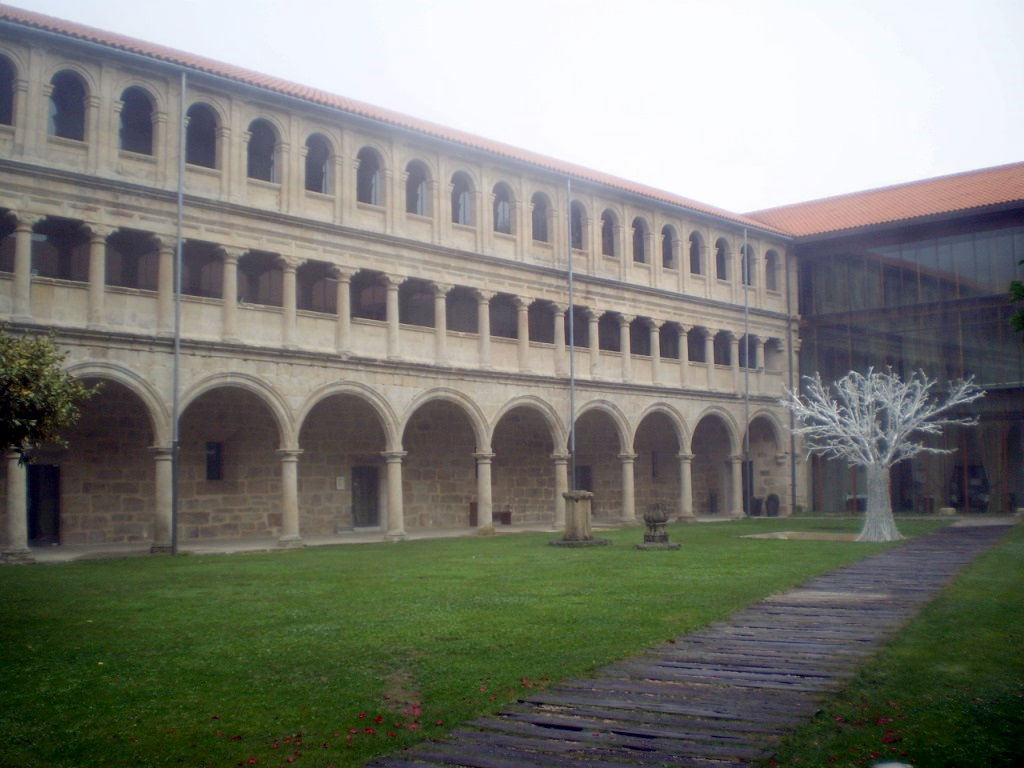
[
  {"x": 289, "y": 497},
  {"x": 655, "y": 351},
  {"x": 484, "y": 514},
  {"x": 393, "y": 282},
  {"x": 97, "y": 274},
  {"x": 288, "y": 302},
  {"x": 23, "y": 268},
  {"x": 343, "y": 303},
  {"x": 162, "y": 456},
  {"x": 396, "y": 511},
  {"x": 16, "y": 550},
  {"x": 561, "y": 462},
  {"x": 684, "y": 355},
  {"x": 441, "y": 322},
  {"x": 624, "y": 347},
  {"x": 93, "y": 141},
  {"x": 685, "y": 486},
  {"x": 734, "y": 361},
  {"x": 709, "y": 355},
  {"x": 523, "y": 332},
  {"x": 229, "y": 308},
  {"x": 594, "y": 337},
  {"x": 483, "y": 324},
  {"x": 736, "y": 480},
  {"x": 560, "y": 361},
  {"x": 628, "y": 494},
  {"x": 165, "y": 287},
  {"x": 762, "y": 368}
]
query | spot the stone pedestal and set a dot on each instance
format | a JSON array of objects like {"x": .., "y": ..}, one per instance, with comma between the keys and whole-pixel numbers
[
  {"x": 577, "y": 521},
  {"x": 656, "y": 537}
]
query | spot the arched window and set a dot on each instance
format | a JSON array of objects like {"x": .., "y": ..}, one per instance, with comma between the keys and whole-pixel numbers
[
  {"x": 608, "y": 233},
  {"x": 318, "y": 164},
  {"x": 136, "y": 133},
  {"x": 261, "y": 151},
  {"x": 201, "y": 136},
  {"x": 668, "y": 247},
  {"x": 67, "y": 106},
  {"x": 417, "y": 197},
  {"x": 747, "y": 264},
  {"x": 502, "y": 208},
  {"x": 462, "y": 199},
  {"x": 771, "y": 271},
  {"x": 577, "y": 218},
  {"x": 721, "y": 259},
  {"x": 6, "y": 91},
  {"x": 696, "y": 246},
  {"x": 539, "y": 218},
  {"x": 640, "y": 240},
  {"x": 369, "y": 182},
  {"x": 721, "y": 344}
]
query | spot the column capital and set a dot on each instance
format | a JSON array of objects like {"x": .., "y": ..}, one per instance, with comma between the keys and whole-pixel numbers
[
  {"x": 394, "y": 457},
  {"x": 392, "y": 282},
  {"x": 98, "y": 231},
  {"x": 559, "y": 309},
  {"x": 26, "y": 221},
  {"x": 627, "y": 458},
  {"x": 484, "y": 296},
  {"x": 289, "y": 454},
  {"x": 289, "y": 263},
  {"x": 560, "y": 458},
  {"x": 162, "y": 452},
  {"x": 625, "y": 319},
  {"x": 484, "y": 457},
  {"x": 520, "y": 303},
  {"x": 230, "y": 253},
  {"x": 441, "y": 289},
  {"x": 686, "y": 457},
  {"x": 736, "y": 459},
  {"x": 341, "y": 274}
]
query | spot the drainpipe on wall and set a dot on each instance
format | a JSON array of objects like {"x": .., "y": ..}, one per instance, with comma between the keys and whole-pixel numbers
[
  {"x": 572, "y": 345},
  {"x": 745, "y": 266}
]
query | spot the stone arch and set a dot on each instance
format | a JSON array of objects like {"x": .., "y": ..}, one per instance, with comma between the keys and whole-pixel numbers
[
  {"x": 616, "y": 415},
  {"x": 731, "y": 426},
  {"x": 256, "y": 386},
  {"x": 159, "y": 414},
  {"x": 477, "y": 420},
  {"x": 388, "y": 419},
  {"x": 556, "y": 427},
  {"x": 779, "y": 430},
  {"x": 678, "y": 422},
  {"x": 657, "y": 442},
  {"x": 524, "y": 436},
  {"x": 767, "y": 473},
  {"x": 602, "y": 442},
  {"x": 152, "y": 89},
  {"x": 88, "y": 78},
  {"x": 714, "y": 447}
]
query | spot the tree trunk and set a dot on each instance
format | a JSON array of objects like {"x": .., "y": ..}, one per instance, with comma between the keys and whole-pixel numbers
[{"x": 879, "y": 524}]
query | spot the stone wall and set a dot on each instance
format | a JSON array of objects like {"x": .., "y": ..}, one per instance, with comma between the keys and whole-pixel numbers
[
  {"x": 597, "y": 447},
  {"x": 439, "y": 471},
  {"x": 523, "y": 474}
]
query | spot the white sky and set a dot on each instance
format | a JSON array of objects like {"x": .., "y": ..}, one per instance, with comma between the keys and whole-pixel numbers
[{"x": 739, "y": 104}]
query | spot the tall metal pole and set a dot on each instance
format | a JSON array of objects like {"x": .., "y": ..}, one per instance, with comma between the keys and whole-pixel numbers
[
  {"x": 176, "y": 378},
  {"x": 572, "y": 346}
]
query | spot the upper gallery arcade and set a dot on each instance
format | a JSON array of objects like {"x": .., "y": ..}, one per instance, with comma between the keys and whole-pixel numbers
[{"x": 375, "y": 314}]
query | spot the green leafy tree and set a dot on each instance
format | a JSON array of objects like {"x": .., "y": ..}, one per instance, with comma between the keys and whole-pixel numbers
[
  {"x": 38, "y": 398},
  {"x": 1017, "y": 297}
]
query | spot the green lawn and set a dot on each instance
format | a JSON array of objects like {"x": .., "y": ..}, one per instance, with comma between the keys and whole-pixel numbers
[
  {"x": 226, "y": 660},
  {"x": 947, "y": 693}
]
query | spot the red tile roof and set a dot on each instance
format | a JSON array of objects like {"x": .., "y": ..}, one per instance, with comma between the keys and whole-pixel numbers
[
  {"x": 351, "y": 106},
  {"x": 901, "y": 202}
]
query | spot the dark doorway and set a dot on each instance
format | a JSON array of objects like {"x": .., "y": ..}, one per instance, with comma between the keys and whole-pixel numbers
[
  {"x": 749, "y": 506},
  {"x": 365, "y": 512},
  {"x": 43, "y": 504},
  {"x": 583, "y": 479}
]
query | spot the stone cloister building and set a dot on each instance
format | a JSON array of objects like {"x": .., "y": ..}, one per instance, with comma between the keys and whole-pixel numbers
[{"x": 374, "y": 318}]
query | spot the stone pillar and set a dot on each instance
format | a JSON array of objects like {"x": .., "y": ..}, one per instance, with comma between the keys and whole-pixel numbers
[
  {"x": 762, "y": 368},
  {"x": 165, "y": 287},
  {"x": 288, "y": 302},
  {"x": 23, "y": 268},
  {"x": 393, "y": 282},
  {"x": 628, "y": 494},
  {"x": 441, "y": 322},
  {"x": 97, "y": 274},
  {"x": 709, "y": 355},
  {"x": 396, "y": 511},
  {"x": 684, "y": 355},
  {"x": 736, "y": 480},
  {"x": 229, "y": 309},
  {"x": 561, "y": 462},
  {"x": 162, "y": 456},
  {"x": 624, "y": 346},
  {"x": 655, "y": 351},
  {"x": 734, "y": 361},
  {"x": 523, "y": 332},
  {"x": 483, "y": 324},
  {"x": 343, "y": 302},
  {"x": 484, "y": 514},
  {"x": 594, "y": 337},
  {"x": 289, "y": 497},
  {"x": 685, "y": 486},
  {"x": 16, "y": 550},
  {"x": 94, "y": 144},
  {"x": 578, "y": 510},
  {"x": 560, "y": 361}
]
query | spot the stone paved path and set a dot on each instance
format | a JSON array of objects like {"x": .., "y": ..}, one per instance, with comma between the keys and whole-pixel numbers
[{"x": 725, "y": 694}]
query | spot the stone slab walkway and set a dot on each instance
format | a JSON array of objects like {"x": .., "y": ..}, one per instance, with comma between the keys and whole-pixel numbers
[{"x": 724, "y": 695}]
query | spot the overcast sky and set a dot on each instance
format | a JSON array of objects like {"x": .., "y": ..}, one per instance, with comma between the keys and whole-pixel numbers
[{"x": 743, "y": 105}]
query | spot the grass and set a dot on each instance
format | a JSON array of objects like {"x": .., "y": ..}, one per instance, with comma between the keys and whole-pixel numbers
[
  {"x": 331, "y": 656},
  {"x": 946, "y": 693}
]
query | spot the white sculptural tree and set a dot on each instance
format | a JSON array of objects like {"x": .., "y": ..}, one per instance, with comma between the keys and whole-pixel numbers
[{"x": 874, "y": 421}]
